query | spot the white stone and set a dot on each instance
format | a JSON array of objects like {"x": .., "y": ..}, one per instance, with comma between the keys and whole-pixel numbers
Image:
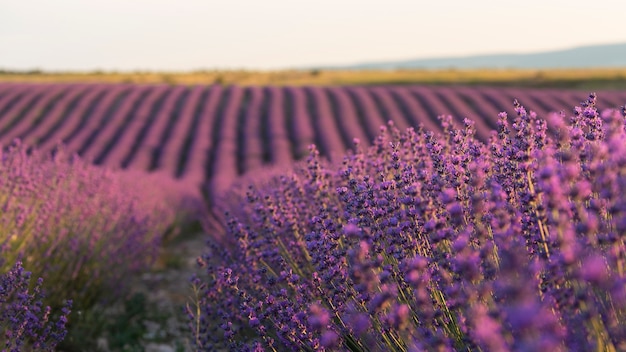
[{"x": 158, "y": 347}]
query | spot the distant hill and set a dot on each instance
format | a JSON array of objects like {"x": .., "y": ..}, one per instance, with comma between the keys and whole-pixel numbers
[{"x": 593, "y": 56}]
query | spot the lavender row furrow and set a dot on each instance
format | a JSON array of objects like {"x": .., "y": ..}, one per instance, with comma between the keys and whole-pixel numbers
[
  {"x": 89, "y": 126},
  {"x": 35, "y": 114},
  {"x": 532, "y": 102},
  {"x": 5, "y": 88},
  {"x": 327, "y": 134},
  {"x": 543, "y": 104},
  {"x": 250, "y": 153},
  {"x": 363, "y": 106},
  {"x": 56, "y": 115},
  {"x": 372, "y": 114},
  {"x": 566, "y": 101},
  {"x": 107, "y": 128},
  {"x": 483, "y": 108},
  {"x": 606, "y": 100},
  {"x": 191, "y": 136},
  {"x": 223, "y": 168},
  {"x": 280, "y": 148},
  {"x": 302, "y": 131},
  {"x": 613, "y": 99},
  {"x": 392, "y": 111},
  {"x": 130, "y": 131},
  {"x": 347, "y": 117},
  {"x": 462, "y": 110},
  {"x": 158, "y": 154},
  {"x": 147, "y": 150},
  {"x": 11, "y": 88},
  {"x": 414, "y": 108},
  {"x": 433, "y": 104},
  {"x": 549, "y": 101},
  {"x": 21, "y": 108},
  {"x": 200, "y": 148},
  {"x": 11, "y": 97},
  {"x": 173, "y": 145},
  {"x": 74, "y": 122},
  {"x": 498, "y": 100}
]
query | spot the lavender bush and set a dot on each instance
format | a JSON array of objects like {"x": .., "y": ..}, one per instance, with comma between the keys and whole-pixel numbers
[
  {"x": 85, "y": 230},
  {"x": 24, "y": 321},
  {"x": 431, "y": 242}
]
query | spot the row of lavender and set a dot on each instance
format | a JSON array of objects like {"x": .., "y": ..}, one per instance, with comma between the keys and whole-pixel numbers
[
  {"x": 461, "y": 208},
  {"x": 212, "y": 133},
  {"x": 431, "y": 242},
  {"x": 71, "y": 236}
]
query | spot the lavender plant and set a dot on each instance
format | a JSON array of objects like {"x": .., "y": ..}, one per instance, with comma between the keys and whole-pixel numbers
[
  {"x": 430, "y": 242},
  {"x": 83, "y": 229},
  {"x": 24, "y": 320}
]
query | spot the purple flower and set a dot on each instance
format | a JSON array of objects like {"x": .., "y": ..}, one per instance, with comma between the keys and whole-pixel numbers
[{"x": 431, "y": 241}]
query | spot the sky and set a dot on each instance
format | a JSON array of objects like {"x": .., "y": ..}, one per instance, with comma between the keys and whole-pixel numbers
[{"x": 186, "y": 35}]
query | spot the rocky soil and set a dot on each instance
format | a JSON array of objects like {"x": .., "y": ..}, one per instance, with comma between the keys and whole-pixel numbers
[{"x": 164, "y": 291}]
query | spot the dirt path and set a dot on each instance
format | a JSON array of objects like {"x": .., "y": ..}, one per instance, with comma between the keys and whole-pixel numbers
[{"x": 163, "y": 292}]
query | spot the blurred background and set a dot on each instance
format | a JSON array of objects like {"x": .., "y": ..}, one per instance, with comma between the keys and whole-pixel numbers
[{"x": 205, "y": 91}]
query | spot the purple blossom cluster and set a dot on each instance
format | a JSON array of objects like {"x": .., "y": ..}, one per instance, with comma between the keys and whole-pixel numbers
[
  {"x": 24, "y": 321},
  {"x": 83, "y": 229},
  {"x": 436, "y": 242}
]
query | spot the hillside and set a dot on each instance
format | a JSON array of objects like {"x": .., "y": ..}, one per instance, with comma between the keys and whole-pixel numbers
[{"x": 593, "y": 56}]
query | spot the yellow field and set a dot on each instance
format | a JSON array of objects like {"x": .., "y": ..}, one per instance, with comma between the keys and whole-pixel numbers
[{"x": 562, "y": 78}]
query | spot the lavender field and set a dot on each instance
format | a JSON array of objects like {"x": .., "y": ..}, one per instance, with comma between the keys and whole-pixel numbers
[
  {"x": 211, "y": 134},
  {"x": 361, "y": 218}
]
